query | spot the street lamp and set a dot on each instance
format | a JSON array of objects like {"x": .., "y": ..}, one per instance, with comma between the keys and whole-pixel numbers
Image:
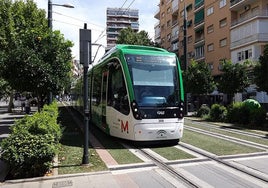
[
  {"x": 49, "y": 18},
  {"x": 49, "y": 12}
]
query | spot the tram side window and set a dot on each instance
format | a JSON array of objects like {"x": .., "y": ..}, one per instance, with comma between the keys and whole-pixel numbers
[
  {"x": 117, "y": 92},
  {"x": 97, "y": 88}
]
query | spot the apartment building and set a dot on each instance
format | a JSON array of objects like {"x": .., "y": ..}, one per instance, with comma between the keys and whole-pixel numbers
[
  {"x": 249, "y": 29},
  {"x": 117, "y": 19},
  {"x": 217, "y": 30},
  {"x": 207, "y": 26},
  {"x": 249, "y": 35}
]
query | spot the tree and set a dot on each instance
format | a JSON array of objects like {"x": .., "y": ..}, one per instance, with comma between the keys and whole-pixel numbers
[
  {"x": 33, "y": 57},
  {"x": 234, "y": 79},
  {"x": 198, "y": 81},
  {"x": 261, "y": 71},
  {"x": 129, "y": 36}
]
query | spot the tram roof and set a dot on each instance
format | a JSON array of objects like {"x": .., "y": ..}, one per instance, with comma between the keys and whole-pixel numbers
[{"x": 135, "y": 49}]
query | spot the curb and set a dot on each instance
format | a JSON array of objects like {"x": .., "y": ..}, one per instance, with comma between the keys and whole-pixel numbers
[{"x": 44, "y": 178}]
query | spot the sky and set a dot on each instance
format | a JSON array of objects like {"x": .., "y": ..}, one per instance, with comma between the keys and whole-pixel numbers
[{"x": 93, "y": 12}]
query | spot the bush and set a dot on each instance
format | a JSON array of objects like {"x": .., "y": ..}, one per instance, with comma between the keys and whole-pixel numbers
[
  {"x": 203, "y": 111},
  {"x": 257, "y": 116},
  {"x": 33, "y": 142},
  {"x": 28, "y": 155},
  {"x": 218, "y": 112},
  {"x": 44, "y": 122},
  {"x": 240, "y": 113}
]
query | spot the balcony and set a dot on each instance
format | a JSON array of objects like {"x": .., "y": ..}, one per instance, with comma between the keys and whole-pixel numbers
[
  {"x": 199, "y": 17},
  {"x": 251, "y": 32},
  {"x": 250, "y": 16},
  {"x": 236, "y": 5},
  {"x": 157, "y": 14},
  {"x": 198, "y": 4}
]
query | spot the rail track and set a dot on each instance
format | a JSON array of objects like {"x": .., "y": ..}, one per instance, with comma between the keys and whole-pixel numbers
[
  {"x": 229, "y": 138},
  {"x": 225, "y": 128},
  {"x": 188, "y": 181}
]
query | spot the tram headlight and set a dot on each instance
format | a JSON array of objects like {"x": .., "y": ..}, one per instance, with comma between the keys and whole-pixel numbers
[
  {"x": 180, "y": 115},
  {"x": 135, "y": 110}
]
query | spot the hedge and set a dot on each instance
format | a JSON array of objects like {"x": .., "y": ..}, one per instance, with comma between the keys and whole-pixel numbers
[{"x": 32, "y": 144}]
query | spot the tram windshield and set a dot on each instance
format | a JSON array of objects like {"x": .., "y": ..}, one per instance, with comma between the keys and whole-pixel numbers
[{"x": 155, "y": 80}]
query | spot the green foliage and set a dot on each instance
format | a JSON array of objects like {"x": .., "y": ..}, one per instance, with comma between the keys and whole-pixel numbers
[
  {"x": 261, "y": 71},
  {"x": 129, "y": 36},
  {"x": 234, "y": 78},
  {"x": 198, "y": 79},
  {"x": 5, "y": 89},
  {"x": 44, "y": 122},
  {"x": 234, "y": 114},
  {"x": 28, "y": 155},
  {"x": 203, "y": 111},
  {"x": 33, "y": 143},
  {"x": 257, "y": 117},
  {"x": 218, "y": 112},
  {"x": 241, "y": 113},
  {"x": 33, "y": 57}
]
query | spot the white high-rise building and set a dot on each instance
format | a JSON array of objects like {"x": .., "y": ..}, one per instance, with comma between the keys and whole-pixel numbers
[{"x": 117, "y": 19}]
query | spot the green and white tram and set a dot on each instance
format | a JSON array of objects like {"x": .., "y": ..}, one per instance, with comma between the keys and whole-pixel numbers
[{"x": 136, "y": 93}]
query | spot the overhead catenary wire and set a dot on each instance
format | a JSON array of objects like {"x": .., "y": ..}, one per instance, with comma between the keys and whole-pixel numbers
[{"x": 77, "y": 19}]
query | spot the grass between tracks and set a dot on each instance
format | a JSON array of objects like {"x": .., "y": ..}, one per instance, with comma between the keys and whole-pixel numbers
[
  {"x": 216, "y": 145},
  {"x": 262, "y": 140},
  {"x": 172, "y": 153}
]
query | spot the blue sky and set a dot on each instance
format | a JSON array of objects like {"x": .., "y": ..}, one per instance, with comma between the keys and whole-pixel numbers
[{"x": 93, "y": 12}]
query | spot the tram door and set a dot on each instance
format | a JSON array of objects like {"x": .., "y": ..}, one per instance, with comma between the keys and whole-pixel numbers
[{"x": 103, "y": 98}]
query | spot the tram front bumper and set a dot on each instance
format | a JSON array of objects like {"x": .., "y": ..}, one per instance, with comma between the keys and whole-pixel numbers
[{"x": 158, "y": 131}]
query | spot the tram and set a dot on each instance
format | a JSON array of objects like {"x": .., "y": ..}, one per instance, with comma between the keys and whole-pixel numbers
[{"x": 136, "y": 93}]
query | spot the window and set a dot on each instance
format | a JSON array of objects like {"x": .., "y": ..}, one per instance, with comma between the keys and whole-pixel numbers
[
  {"x": 168, "y": 37},
  {"x": 223, "y": 22},
  {"x": 168, "y": 10},
  {"x": 211, "y": 65},
  {"x": 190, "y": 39},
  {"x": 189, "y": 7},
  {"x": 210, "y": 10},
  {"x": 210, "y": 29},
  {"x": 210, "y": 47},
  {"x": 117, "y": 91},
  {"x": 154, "y": 79},
  {"x": 168, "y": 23},
  {"x": 243, "y": 55},
  {"x": 222, "y": 3},
  {"x": 199, "y": 52},
  {"x": 199, "y": 16},
  {"x": 223, "y": 42},
  {"x": 182, "y": 13}
]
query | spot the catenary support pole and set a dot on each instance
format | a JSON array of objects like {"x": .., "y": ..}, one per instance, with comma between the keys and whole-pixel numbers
[
  {"x": 85, "y": 59},
  {"x": 185, "y": 56}
]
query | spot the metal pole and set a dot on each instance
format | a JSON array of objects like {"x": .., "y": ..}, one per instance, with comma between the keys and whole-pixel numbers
[
  {"x": 49, "y": 19},
  {"x": 87, "y": 60},
  {"x": 49, "y": 14},
  {"x": 185, "y": 54}
]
